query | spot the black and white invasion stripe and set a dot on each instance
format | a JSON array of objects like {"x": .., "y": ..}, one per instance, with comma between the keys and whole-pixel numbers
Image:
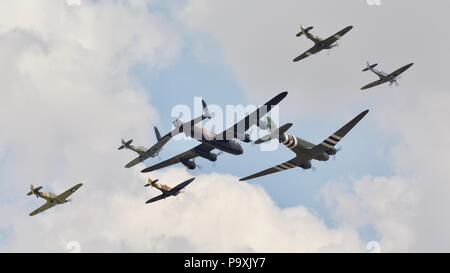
[
  {"x": 290, "y": 141},
  {"x": 331, "y": 141},
  {"x": 285, "y": 166}
]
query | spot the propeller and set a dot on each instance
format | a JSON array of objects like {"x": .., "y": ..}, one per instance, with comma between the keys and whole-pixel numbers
[
  {"x": 394, "y": 81},
  {"x": 331, "y": 47},
  {"x": 217, "y": 154},
  {"x": 338, "y": 149}
]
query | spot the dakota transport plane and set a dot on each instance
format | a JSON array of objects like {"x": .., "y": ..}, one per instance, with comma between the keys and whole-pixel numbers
[{"x": 305, "y": 151}]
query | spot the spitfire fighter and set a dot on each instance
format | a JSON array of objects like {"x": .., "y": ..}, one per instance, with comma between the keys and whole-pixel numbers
[
  {"x": 52, "y": 199},
  {"x": 384, "y": 77},
  {"x": 153, "y": 151},
  {"x": 305, "y": 151},
  {"x": 166, "y": 190},
  {"x": 225, "y": 141},
  {"x": 319, "y": 43}
]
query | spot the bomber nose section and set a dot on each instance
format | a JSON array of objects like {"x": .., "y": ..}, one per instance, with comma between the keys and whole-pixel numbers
[{"x": 239, "y": 149}]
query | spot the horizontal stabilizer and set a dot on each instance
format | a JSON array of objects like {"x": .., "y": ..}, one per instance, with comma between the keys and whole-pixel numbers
[
  {"x": 33, "y": 190},
  {"x": 303, "y": 31},
  {"x": 125, "y": 144},
  {"x": 369, "y": 66},
  {"x": 150, "y": 181}
]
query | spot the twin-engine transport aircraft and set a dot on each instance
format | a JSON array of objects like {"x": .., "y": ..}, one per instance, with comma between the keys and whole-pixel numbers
[
  {"x": 225, "y": 141},
  {"x": 52, "y": 199},
  {"x": 166, "y": 190},
  {"x": 153, "y": 151},
  {"x": 320, "y": 44},
  {"x": 305, "y": 151},
  {"x": 384, "y": 77}
]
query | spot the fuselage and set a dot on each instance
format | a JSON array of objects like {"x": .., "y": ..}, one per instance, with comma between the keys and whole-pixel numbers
[
  {"x": 50, "y": 197},
  {"x": 204, "y": 135},
  {"x": 301, "y": 146}
]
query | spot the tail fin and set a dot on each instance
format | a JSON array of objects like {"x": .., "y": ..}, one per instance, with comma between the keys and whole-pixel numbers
[
  {"x": 303, "y": 31},
  {"x": 125, "y": 144},
  {"x": 151, "y": 182},
  {"x": 207, "y": 114},
  {"x": 158, "y": 135},
  {"x": 275, "y": 132},
  {"x": 369, "y": 67}
]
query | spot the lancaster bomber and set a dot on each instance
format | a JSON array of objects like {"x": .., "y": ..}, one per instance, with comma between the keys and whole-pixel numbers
[
  {"x": 225, "y": 141},
  {"x": 166, "y": 190},
  {"x": 52, "y": 199},
  {"x": 153, "y": 151},
  {"x": 319, "y": 43},
  {"x": 384, "y": 77},
  {"x": 305, "y": 151}
]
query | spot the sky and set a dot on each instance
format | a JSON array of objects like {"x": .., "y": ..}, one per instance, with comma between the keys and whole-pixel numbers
[{"x": 79, "y": 76}]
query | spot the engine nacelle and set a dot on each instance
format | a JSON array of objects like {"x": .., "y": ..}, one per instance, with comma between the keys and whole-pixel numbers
[
  {"x": 207, "y": 155},
  {"x": 190, "y": 164},
  {"x": 323, "y": 156},
  {"x": 306, "y": 166}
]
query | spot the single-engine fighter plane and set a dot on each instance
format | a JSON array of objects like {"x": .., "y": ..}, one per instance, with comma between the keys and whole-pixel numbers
[
  {"x": 52, "y": 199},
  {"x": 319, "y": 43},
  {"x": 153, "y": 151},
  {"x": 225, "y": 141},
  {"x": 166, "y": 190},
  {"x": 384, "y": 77},
  {"x": 305, "y": 151}
]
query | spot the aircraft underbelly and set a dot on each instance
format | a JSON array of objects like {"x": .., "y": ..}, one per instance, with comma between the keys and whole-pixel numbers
[{"x": 226, "y": 146}]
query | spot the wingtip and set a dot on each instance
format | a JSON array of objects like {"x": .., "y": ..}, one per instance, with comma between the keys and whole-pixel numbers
[{"x": 363, "y": 113}]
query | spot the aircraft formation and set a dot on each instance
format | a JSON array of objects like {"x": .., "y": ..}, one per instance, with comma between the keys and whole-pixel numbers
[{"x": 229, "y": 140}]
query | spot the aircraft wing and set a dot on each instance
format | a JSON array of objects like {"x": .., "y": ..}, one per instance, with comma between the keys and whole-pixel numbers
[
  {"x": 313, "y": 50},
  {"x": 192, "y": 153},
  {"x": 44, "y": 207},
  {"x": 161, "y": 142},
  {"x": 63, "y": 196},
  {"x": 157, "y": 198},
  {"x": 329, "y": 143},
  {"x": 332, "y": 39},
  {"x": 373, "y": 84},
  {"x": 238, "y": 129},
  {"x": 137, "y": 160},
  {"x": 278, "y": 168},
  {"x": 399, "y": 71},
  {"x": 182, "y": 185}
]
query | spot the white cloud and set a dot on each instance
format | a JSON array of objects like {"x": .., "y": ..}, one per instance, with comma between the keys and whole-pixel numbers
[
  {"x": 258, "y": 42},
  {"x": 216, "y": 213},
  {"x": 67, "y": 99}
]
